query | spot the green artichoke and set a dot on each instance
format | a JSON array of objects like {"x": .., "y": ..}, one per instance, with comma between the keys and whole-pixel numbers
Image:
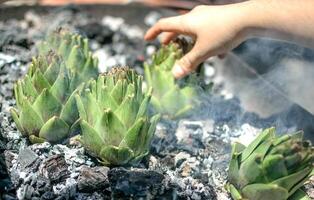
[
  {"x": 172, "y": 98},
  {"x": 45, "y": 99},
  {"x": 74, "y": 51},
  {"x": 115, "y": 124},
  {"x": 270, "y": 167}
]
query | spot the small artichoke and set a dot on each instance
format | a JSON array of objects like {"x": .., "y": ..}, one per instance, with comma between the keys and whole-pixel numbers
[
  {"x": 270, "y": 167},
  {"x": 172, "y": 98},
  {"x": 45, "y": 96},
  {"x": 75, "y": 53},
  {"x": 115, "y": 124}
]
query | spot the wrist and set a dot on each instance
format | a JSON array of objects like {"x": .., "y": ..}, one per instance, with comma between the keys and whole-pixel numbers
[
  {"x": 263, "y": 18},
  {"x": 249, "y": 19}
]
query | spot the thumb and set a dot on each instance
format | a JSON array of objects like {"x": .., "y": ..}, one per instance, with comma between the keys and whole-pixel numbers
[{"x": 187, "y": 63}]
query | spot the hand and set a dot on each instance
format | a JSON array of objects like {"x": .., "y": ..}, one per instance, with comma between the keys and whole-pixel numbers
[{"x": 216, "y": 29}]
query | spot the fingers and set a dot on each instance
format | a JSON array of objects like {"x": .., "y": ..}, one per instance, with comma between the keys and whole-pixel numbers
[
  {"x": 171, "y": 24},
  {"x": 188, "y": 63},
  {"x": 168, "y": 36}
]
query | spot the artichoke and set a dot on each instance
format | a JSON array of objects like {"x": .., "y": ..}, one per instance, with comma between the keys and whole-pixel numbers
[
  {"x": 75, "y": 52},
  {"x": 45, "y": 97},
  {"x": 270, "y": 167},
  {"x": 115, "y": 124},
  {"x": 172, "y": 98}
]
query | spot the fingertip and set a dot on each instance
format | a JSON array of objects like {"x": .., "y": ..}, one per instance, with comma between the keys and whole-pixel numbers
[
  {"x": 165, "y": 41},
  {"x": 167, "y": 37},
  {"x": 147, "y": 36},
  {"x": 152, "y": 33},
  {"x": 178, "y": 72}
]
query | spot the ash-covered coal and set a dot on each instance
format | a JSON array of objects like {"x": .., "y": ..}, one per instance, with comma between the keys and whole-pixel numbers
[
  {"x": 189, "y": 157},
  {"x": 135, "y": 182}
]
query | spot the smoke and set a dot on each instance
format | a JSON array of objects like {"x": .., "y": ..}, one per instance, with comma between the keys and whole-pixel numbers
[{"x": 273, "y": 80}]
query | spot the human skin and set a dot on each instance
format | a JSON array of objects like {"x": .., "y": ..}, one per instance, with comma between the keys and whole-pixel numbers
[{"x": 219, "y": 29}]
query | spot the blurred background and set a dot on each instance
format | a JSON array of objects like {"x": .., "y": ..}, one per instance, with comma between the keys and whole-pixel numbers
[{"x": 187, "y": 4}]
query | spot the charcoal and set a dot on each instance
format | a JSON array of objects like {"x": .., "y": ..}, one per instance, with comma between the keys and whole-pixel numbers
[
  {"x": 42, "y": 184},
  {"x": 94, "y": 30},
  {"x": 8, "y": 197},
  {"x": 5, "y": 59},
  {"x": 48, "y": 196},
  {"x": 9, "y": 157},
  {"x": 93, "y": 179},
  {"x": 3, "y": 168},
  {"x": 180, "y": 158},
  {"x": 55, "y": 168},
  {"x": 6, "y": 185},
  {"x": 15, "y": 36},
  {"x": 135, "y": 182},
  {"x": 26, "y": 192},
  {"x": 92, "y": 196},
  {"x": 26, "y": 157},
  {"x": 66, "y": 190}
]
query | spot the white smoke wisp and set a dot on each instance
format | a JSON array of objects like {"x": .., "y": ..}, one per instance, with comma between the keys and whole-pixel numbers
[{"x": 257, "y": 93}]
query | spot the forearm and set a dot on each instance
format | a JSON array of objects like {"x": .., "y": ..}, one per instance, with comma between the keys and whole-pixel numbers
[{"x": 291, "y": 20}]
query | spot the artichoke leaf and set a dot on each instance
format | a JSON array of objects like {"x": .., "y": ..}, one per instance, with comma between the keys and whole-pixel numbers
[
  {"x": 235, "y": 194},
  {"x": 118, "y": 91},
  {"x": 162, "y": 81},
  {"x": 65, "y": 47},
  {"x": 152, "y": 128},
  {"x": 173, "y": 101},
  {"x": 39, "y": 81},
  {"x": 80, "y": 107},
  {"x": 148, "y": 73},
  {"x": 265, "y": 135},
  {"x": 234, "y": 164},
  {"x": 261, "y": 191},
  {"x": 93, "y": 110},
  {"x": 76, "y": 59},
  {"x": 30, "y": 119},
  {"x": 91, "y": 139},
  {"x": 116, "y": 155},
  {"x": 299, "y": 195},
  {"x": 156, "y": 103},
  {"x": 60, "y": 87},
  {"x": 293, "y": 181},
  {"x": 16, "y": 119},
  {"x": 18, "y": 94},
  {"x": 69, "y": 112},
  {"x": 142, "y": 111},
  {"x": 90, "y": 64},
  {"x": 139, "y": 158},
  {"x": 53, "y": 70},
  {"x": 168, "y": 63},
  {"x": 34, "y": 139},
  {"x": 274, "y": 167},
  {"x": 54, "y": 130},
  {"x": 28, "y": 89},
  {"x": 111, "y": 128},
  {"x": 46, "y": 105},
  {"x": 133, "y": 135},
  {"x": 183, "y": 111},
  {"x": 106, "y": 100},
  {"x": 127, "y": 111},
  {"x": 251, "y": 172}
]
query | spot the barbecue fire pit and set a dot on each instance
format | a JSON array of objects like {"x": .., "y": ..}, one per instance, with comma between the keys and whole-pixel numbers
[{"x": 189, "y": 157}]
